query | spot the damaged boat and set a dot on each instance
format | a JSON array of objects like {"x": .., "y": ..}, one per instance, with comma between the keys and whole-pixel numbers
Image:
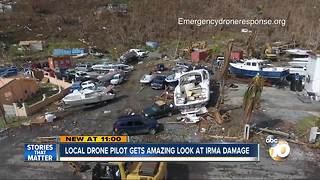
[
  {"x": 90, "y": 95},
  {"x": 193, "y": 91},
  {"x": 252, "y": 67}
]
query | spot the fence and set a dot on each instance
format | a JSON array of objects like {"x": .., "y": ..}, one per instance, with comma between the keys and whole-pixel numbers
[
  {"x": 58, "y": 82},
  {"x": 24, "y": 110}
]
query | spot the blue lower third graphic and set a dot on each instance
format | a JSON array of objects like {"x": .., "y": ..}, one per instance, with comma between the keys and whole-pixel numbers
[
  {"x": 158, "y": 152},
  {"x": 40, "y": 152}
]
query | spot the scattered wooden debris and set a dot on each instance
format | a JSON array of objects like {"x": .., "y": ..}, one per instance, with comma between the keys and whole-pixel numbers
[
  {"x": 38, "y": 120},
  {"x": 224, "y": 137},
  {"x": 213, "y": 112},
  {"x": 280, "y": 133}
]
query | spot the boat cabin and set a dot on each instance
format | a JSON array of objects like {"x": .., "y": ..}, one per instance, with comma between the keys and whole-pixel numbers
[{"x": 254, "y": 64}]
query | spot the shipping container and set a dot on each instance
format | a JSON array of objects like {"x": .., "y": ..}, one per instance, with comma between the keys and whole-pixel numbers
[
  {"x": 236, "y": 55},
  {"x": 197, "y": 56},
  {"x": 63, "y": 62}
]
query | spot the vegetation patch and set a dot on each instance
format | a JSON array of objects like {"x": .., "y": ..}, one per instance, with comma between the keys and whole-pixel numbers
[
  {"x": 47, "y": 89},
  {"x": 303, "y": 128},
  {"x": 13, "y": 122}
]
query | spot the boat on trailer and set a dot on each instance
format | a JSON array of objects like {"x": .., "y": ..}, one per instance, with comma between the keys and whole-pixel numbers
[
  {"x": 252, "y": 67},
  {"x": 90, "y": 95},
  {"x": 193, "y": 91}
]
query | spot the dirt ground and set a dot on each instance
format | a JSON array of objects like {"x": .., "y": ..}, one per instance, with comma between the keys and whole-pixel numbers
[{"x": 278, "y": 106}]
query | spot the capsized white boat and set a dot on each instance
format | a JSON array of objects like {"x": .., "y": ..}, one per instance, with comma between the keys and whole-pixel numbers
[
  {"x": 89, "y": 96},
  {"x": 193, "y": 91}
]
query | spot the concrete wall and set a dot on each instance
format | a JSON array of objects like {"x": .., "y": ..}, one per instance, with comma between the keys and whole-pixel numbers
[
  {"x": 46, "y": 101},
  {"x": 58, "y": 82},
  {"x": 24, "y": 110},
  {"x": 9, "y": 110}
]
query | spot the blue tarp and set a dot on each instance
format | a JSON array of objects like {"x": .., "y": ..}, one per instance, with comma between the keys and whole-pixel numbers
[{"x": 67, "y": 52}]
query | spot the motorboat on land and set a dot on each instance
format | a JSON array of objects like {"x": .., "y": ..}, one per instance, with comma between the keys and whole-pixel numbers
[
  {"x": 193, "y": 91},
  {"x": 106, "y": 78},
  {"x": 299, "y": 57},
  {"x": 297, "y": 52},
  {"x": 89, "y": 95},
  {"x": 298, "y": 63},
  {"x": 252, "y": 67},
  {"x": 110, "y": 66}
]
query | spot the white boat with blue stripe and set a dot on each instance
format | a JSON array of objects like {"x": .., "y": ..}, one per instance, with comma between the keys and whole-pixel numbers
[{"x": 251, "y": 67}]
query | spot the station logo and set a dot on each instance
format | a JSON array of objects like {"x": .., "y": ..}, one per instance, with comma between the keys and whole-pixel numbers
[{"x": 279, "y": 149}]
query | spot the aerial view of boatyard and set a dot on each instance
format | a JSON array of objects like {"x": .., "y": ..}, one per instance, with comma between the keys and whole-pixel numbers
[{"x": 159, "y": 89}]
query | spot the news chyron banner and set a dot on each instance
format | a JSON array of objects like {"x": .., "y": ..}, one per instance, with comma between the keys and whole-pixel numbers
[{"x": 118, "y": 148}]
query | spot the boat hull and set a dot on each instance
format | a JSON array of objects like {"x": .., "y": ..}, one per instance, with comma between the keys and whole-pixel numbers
[
  {"x": 93, "y": 100},
  {"x": 253, "y": 73}
]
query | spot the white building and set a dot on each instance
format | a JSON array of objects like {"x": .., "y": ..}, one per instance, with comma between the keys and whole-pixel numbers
[{"x": 312, "y": 84}]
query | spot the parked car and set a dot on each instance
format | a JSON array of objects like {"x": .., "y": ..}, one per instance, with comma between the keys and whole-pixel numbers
[
  {"x": 7, "y": 72},
  {"x": 117, "y": 79},
  {"x": 85, "y": 76},
  {"x": 49, "y": 72},
  {"x": 160, "y": 67},
  {"x": 70, "y": 74},
  {"x": 147, "y": 78},
  {"x": 159, "y": 109},
  {"x": 129, "y": 57},
  {"x": 75, "y": 86},
  {"x": 83, "y": 67},
  {"x": 135, "y": 124},
  {"x": 158, "y": 82},
  {"x": 88, "y": 85}
]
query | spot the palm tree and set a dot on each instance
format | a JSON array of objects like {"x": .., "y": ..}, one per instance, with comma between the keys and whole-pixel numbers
[
  {"x": 252, "y": 97},
  {"x": 3, "y": 114}
]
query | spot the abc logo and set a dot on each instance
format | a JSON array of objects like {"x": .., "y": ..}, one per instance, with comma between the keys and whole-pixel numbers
[
  {"x": 279, "y": 149},
  {"x": 271, "y": 140}
]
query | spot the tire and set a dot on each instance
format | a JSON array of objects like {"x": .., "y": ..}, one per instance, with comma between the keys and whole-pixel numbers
[{"x": 152, "y": 131}]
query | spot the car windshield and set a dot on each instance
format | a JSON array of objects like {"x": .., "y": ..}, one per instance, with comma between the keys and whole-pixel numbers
[
  {"x": 159, "y": 78},
  {"x": 155, "y": 108}
]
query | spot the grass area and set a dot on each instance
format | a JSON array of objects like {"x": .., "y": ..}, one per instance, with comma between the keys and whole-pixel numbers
[
  {"x": 14, "y": 52},
  {"x": 13, "y": 122},
  {"x": 117, "y": 51},
  {"x": 47, "y": 89},
  {"x": 303, "y": 128},
  {"x": 50, "y": 45}
]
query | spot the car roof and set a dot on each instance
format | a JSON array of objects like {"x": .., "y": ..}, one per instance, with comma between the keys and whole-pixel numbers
[
  {"x": 129, "y": 117},
  {"x": 160, "y": 77}
]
